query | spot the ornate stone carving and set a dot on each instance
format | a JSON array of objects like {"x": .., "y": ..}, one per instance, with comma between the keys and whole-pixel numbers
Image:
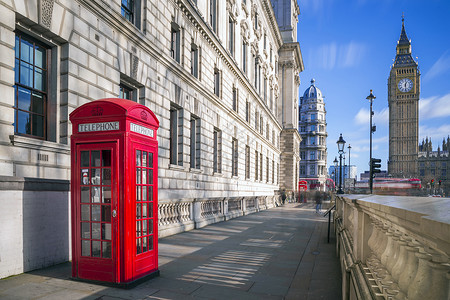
[
  {"x": 134, "y": 66},
  {"x": 244, "y": 30},
  {"x": 297, "y": 77},
  {"x": 46, "y": 12}
]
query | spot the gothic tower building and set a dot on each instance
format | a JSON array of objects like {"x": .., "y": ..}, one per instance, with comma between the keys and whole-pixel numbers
[
  {"x": 403, "y": 98},
  {"x": 313, "y": 130}
]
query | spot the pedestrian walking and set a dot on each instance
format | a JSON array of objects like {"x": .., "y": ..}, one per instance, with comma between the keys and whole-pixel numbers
[
  {"x": 283, "y": 196},
  {"x": 318, "y": 199}
]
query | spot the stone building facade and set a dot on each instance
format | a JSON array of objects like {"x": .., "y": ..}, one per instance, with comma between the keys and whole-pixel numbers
[
  {"x": 403, "y": 100},
  {"x": 224, "y": 72},
  {"x": 434, "y": 166},
  {"x": 313, "y": 130}
]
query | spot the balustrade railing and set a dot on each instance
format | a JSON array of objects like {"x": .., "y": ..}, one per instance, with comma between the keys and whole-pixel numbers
[
  {"x": 394, "y": 247},
  {"x": 182, "y": 215},
  {"x": 250, "y": 203},
  {"x": 235, "y": 205}
]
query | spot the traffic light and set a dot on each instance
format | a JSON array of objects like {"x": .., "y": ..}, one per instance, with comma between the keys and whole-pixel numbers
[
  {"x": 375, "y": 165},
  {"x": 440, "y": 181},
  {"x": 432, "y": 182}
]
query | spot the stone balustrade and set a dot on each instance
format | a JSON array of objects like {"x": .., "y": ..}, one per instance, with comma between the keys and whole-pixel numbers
[
  {"x": 393, "y": 247},
  {"x": 175, "y": 216}
]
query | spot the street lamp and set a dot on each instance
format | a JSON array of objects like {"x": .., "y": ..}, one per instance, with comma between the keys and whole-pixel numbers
[
  {"x": 343, "y": 175},
  {"x": 341, "y": 145},
  {"x": 349, "y": 165},
  {"x": 371, "y": 97},
  {"x": 335, "y": 170}
]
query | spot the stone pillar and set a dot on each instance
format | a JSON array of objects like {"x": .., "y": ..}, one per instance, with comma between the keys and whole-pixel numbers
[
  {"x": 362, "y": 233},
  {"x": 290, "y": 158}
]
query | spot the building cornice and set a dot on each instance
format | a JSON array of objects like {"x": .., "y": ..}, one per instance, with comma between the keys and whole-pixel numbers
[
  {"x": 295, "y": 48},
  {"x": 267, "y": 6},
  {"x": 137, "y": 37}
]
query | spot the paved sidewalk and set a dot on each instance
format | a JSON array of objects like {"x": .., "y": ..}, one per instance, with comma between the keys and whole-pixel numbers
[{"x": 281, "y": 253}]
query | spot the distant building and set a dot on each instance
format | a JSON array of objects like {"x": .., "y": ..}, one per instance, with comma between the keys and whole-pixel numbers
[
  {"x": 434, "y": 165},
  {"x": 313, "y": 130},
  {"x": 347, "y": 172}
]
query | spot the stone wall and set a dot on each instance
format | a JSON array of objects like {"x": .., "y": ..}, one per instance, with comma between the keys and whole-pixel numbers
[
  {"x": 35, "y": 224},
  {"x": 393, "y": 247}
]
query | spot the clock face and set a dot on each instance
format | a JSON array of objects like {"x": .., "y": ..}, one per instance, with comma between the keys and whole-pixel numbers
[{"x": 405, "y": 85}]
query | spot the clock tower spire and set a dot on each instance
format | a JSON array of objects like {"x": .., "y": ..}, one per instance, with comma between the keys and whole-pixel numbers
[{"x": 403, "y": 99}]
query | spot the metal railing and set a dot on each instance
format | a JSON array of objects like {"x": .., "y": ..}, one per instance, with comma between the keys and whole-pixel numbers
[{"x": 328, "y": 212}]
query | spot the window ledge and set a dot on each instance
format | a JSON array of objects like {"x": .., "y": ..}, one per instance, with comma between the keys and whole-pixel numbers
[
  {"x": 194, "y": 170},
  {"x": 31, "y": 143},
  {"x": 176, "y": 167},
  {"x": 218, "y": 174}
]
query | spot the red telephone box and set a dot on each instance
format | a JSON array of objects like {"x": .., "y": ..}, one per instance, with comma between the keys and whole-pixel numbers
[{"x": 114, "y": 192}]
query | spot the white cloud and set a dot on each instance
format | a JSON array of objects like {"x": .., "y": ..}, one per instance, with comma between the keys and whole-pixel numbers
[
  {"x": 332, "y": 55},
  {"x": 352, "y": 54},
  {"x": 435, "y": 133},
  {"x": 434, "y": 107},
  {"x": 379, "y": 118},
  {"x": 363, "y": 145},
  {"x": 313, "y": 6},
  {"x": 441, "y": 66}
]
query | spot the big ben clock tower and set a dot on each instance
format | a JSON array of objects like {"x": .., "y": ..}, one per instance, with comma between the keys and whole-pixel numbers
[{"x": 403, "y": 98}]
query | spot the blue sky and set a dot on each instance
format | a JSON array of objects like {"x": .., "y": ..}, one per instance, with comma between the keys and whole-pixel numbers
[{"x": 348, "y": 47}]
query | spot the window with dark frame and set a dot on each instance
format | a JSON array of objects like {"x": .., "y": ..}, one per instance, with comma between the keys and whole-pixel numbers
[
  {"x": 278, "y": 173},
  {"x": 261, "y": 125},
  {"x": 235, "y": 98},
  {"x": 271, "y": 98},
  {"x": 247, "y": 111},
  {"x": 256, "y": 60},
  {"x": 213, "y": 14},
  {"x": 194, "y": 60},
  {"x": 247, "y": 162},
  {"x": 125, "y": 92},
  {"x": 175, "y": 43},
  {"x": 273, "y": 171},
  {"x": 231, "y": 35},
  {"x": 256, "y": 165},
  {"x": 235, "y": 155},
  {"x": 217, "y": 82},
  {"x": 127, "y": 10},
  {"x": 267, "y": 169},
  {"x": 131, "y": 10},
  {"x": 31, "y": 86},
  {"x": 261, "y": 162},
  {"x": 312, "y": 170},
  {"x": 217, "y": 152},
  {"x": 195, "y": 153},
  {"x": 176, "y": 136},
  {"x": 265, "y": 90},
  {"x": 244, "y": 57}
]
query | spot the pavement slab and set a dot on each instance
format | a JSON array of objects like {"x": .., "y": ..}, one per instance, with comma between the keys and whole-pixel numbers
[{"x": 280, "y": 253}]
